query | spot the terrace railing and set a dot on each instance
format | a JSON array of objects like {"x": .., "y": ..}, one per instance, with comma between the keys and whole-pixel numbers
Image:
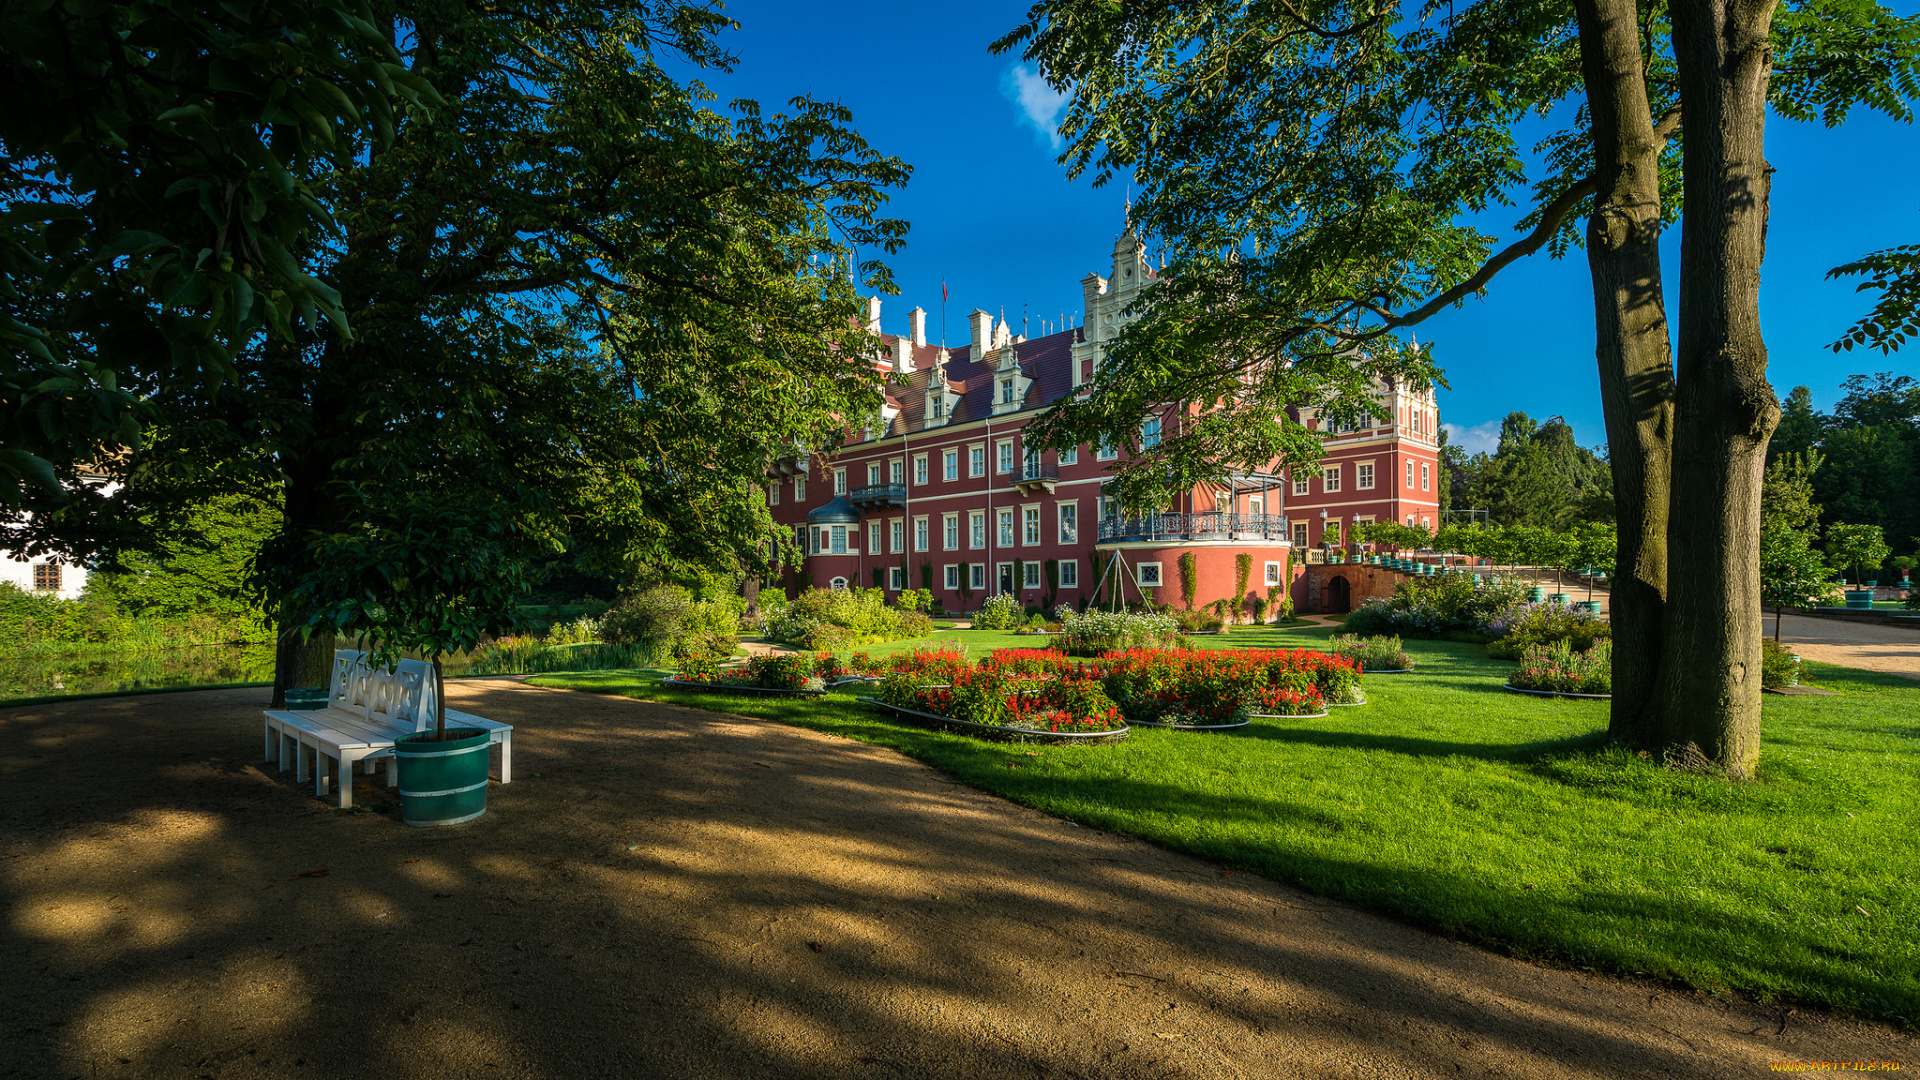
[{"x": 1210, "y": 525}]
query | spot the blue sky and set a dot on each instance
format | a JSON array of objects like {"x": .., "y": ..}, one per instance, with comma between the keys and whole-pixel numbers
[{"x": 995, "y": 217}]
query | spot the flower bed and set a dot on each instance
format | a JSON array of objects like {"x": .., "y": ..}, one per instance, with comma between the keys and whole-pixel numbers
[
  {"x": 787, "y": 673},
  {"x": 1218, "y": 687},
  {"x": 1095, "y": 632},
  {"x": 1376, "y": 655},
  {"x": 1560, "y": 669},
  {"x": 1071, "y": 703}
]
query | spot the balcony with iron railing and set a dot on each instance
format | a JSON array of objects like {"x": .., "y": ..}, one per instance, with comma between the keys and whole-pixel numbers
[
  {"x": 1034, "y": 477},
  {"x": 877, "y": 496},
  {"x": 1176, "y": 528}
]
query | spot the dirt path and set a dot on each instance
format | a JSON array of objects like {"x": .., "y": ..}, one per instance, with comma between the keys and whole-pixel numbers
[{"x": 670, "y": 893}]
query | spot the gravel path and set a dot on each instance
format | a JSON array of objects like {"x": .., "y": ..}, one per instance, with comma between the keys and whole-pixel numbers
[{"x": 665, "y": 892}]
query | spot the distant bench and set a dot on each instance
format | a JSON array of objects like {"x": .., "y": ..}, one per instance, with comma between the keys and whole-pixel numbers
[{"x": 368, "y": 708}]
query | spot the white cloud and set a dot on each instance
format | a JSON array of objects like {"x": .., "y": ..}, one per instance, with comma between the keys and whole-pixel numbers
[
  {"x": 1478, "y": 439},
  {"x": 1039, "y": 103}
]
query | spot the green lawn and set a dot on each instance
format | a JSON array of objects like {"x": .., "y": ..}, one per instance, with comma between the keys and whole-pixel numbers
[{"x": 1503, "y": 819}]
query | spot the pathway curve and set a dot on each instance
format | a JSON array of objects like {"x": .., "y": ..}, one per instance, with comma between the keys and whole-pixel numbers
[{"x": 665, "y": 892}]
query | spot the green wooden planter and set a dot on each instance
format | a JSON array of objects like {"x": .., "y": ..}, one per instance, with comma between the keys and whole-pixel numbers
[
  {"x": 306, "y": 698},
  {"x": 443, "y": 783}
]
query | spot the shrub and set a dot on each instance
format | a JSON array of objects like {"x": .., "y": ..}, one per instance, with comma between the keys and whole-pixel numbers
[
  {"x": 1001, "y": 612},
  {"x": 1521, "y": 627},
  {"x": 1372, "y": 653},
  {"x": 1097, "y": 632},
  {"x": 784, "y": 671},
  {"x": 916, "y": 599},
  {"x": 1778, "y": 666},
  {"x": 836, "y": 618},
  {"x": 666, "y": 621},
  {"x": 1559, "y": 668},
  {"x": 1438, "y": 607}
]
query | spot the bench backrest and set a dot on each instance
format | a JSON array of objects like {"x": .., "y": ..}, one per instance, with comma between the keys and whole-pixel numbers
[{"x": 402, "y": 696}]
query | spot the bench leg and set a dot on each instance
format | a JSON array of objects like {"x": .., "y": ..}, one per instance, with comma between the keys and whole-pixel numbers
[
  {"x": 266, "y": 746},
  {"x": 320, "y": 784},
  {"x": 393, "y": 771},
  {"x": 346, "y": 781},
  {"x": 506, "y": 757},
  {"x": 300, "y": 761}
]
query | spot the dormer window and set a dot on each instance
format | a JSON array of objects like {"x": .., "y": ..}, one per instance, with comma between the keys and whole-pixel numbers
[
  {"x": 939, "y": 405},
  {"x": 1006, "y": 391}
]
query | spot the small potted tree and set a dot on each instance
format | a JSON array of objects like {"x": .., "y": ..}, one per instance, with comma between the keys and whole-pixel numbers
[
  {"x": 433, "y": 579},
  {"x": 1856, "y": 546}
]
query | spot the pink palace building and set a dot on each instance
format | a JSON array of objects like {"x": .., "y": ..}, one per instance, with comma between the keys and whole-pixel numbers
[{"x": 941, "y": 491}]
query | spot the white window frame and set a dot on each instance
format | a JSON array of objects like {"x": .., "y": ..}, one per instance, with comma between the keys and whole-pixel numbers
[
  {"x": 1004, "y": 527},
  {"x": 1273, "y": 573},
  {"x": 1256, "y": 506},
  {"x": 896, "y": 578},
  {"x": 799, "y": 489},
  {"x": 896, "y": 535},
  {"x": 1330, "y": 479},
  {"x": 1106, "y": 452},
  {"x": 950, "y": 464},
  {"x": 1147, "y": 575},
  {"x": 950, "y": 574},
  {"x": 1425, "y": 477},
  {"x": 1003, "y": 571},
  {"x": 1030, "y": 525},
  {"x": 1363, "y": 476},
  {"x": 950, "y": 532},
  {"x": 1149, "y": 433},
  {"x": 1070, "y": 456},
  {"x": 1409, "y": 476},
  {"x": 1300, "y": 485},
  {"x": 839, "y": 481},
  {"x": 977, "y": 460},
  {"x": 1069, "y": 573},
  {"x": 1006, "y": 391},
  {"x": 977, "y": 575},
  {"x": 920, "y": 474},
  {"x": 1066, "y": 521},
  {"x": 838, "y": 584},
  {"x": 773, "y": 494},
  {"x": 1298, "y": 531},
  {"x": 896, "y": 471},
  {"x": 873, "y": 538},
  {"x": 839, "y": 540},
  {"x": 1030, "y": 574},
  {"x": 922, "y": 538},
  {"x": 976, "y": 528},
  {"x": 873, "y": 473},
  {"x": 1003, "y": 456}
]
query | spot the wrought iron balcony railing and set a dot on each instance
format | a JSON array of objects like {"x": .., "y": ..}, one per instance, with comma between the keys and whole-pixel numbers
[
  {"x": 874, "y": 495},
  {"x": 1211, "y": 525}
]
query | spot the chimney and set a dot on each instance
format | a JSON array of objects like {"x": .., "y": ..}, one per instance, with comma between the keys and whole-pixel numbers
[
  {"x": 873, "y": 314},
  {"x": 982, "y": 333},
  {"x": 902, "y": 355},
  {"x": 917, "y": 326}
]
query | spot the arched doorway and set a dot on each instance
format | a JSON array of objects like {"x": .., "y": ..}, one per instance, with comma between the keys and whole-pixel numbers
[{"x": 1339, "y": 596}]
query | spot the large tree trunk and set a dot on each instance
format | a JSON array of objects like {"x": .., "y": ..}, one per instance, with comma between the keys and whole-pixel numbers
[
  {"x": 1724, "y": 409},
  {"x": 1635, "y": 358}
]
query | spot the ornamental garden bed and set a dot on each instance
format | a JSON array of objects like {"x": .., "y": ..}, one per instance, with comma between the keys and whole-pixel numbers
[
  {"x": 1559, "y": 670},
  {"x": 1557, "y": 693},
  {"x": 1383, "y": 655},
  {"x": 1002, "y": 732},
  {"x": 728, "y": 686}
]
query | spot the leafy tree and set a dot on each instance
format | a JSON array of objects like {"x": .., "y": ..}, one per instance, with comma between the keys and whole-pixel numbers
[
  {"x": 1895, "y": 274},
  {"x": 201, "y": 569},
  {"x": 1857, "y": 546},
  {"x": 158, "y": 180},
  {"x": 1792, "y": 573},
  {"x": 1799, "y": 429},
  {"x": 582, "y": 300},
  {"x": 1314, "y": 167}
]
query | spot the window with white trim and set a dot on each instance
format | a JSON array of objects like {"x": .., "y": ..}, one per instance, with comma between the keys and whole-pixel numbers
[
  {"x": 977, "y": 575},
  {"x": 838, "y": 584},
  {"x": 1003, "y": 452},
  {"x": 1300, "y": 485},
  {"x": 950, "y": 465},
  {"x": 873, "y": 473},
  {"x": 1069, "y": 573},
  {"x": 1363, "y": 477},
  {"x": 839, "y": 540},
  {"x": 977, "y": 529},
  {"x": 839, "y": 481},
  {"x": 1424, "y": 477},
  {"x": 1256, "y": 507},
  {"x": 919, "y": 468},
  {"x": 920, "y": 534},
  {"x": 1069, "y": 522},
  {"x": 950, "y": 532},
  {"x": 952, "y": 573},
  {"x": 1146, "y": 574},
  {"x": 896, "y": 578},
  {"x": 976, "y": 461},
  {"x": 1273, "y": 573},
  {"x": 1006, "y": 528},
  {"x": 1105, "y": 451},
  {"x": 896, "y": 472},
  {"x": 1030, "y": 525},
  {"x": 1070, "y": 456},
  {"x": 1149, "y": 432},
  {"x": 873, "y": 538},
  {"x": 1030, "y": 574},
  {"x": 1409, "y": 476},
  {"x": 1330, "y": 479},
  {"x": 773, "y": 494},
  {"x": 897, "y": 534},
  {"x": 799, "y": 489},
  {"x": 1299, "y": 534}
]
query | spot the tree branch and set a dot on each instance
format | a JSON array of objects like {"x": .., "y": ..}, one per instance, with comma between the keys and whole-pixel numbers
[{"x": 1550, "y": 219}]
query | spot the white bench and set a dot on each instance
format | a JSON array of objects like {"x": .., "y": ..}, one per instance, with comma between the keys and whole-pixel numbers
[{"x": 367, "y": 709}]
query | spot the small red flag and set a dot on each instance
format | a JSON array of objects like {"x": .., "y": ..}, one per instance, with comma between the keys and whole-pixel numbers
[{"x": 943, "y": 290}]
